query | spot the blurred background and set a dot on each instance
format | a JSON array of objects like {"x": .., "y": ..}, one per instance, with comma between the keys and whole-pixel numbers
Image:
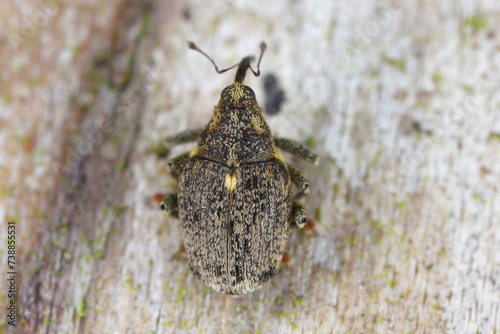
[{"x": 400, "y": 99}]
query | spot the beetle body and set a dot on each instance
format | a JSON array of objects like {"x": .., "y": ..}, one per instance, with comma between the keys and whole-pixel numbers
[{"x": 234, "y": 197}]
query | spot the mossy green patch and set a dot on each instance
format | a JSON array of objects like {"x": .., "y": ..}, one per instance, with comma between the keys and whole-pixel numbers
[
  {"x": 80, "y": 308},
  {"x": 119, "y": 209},
  {"x": 437, "y": 77},
  {"x": 400, "y": 64},
  {"x": 299, "y": 300},
  {"x": 476, "y": 22}
]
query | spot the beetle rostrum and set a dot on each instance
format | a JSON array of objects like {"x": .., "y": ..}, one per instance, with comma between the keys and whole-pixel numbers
[{"x": 234, "y": 196}]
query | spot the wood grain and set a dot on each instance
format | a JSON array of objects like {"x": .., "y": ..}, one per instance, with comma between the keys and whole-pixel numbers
[{"x": 400, "y": 100}]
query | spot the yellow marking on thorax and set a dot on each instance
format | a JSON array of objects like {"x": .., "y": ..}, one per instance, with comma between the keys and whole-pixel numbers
[
  {"x": 231, "y": 157},
  {"x": 193, "y": 152},
  {"x": 257, "y": 124},
  {"x": 230, "y": 181},
  {"x": 214, "y": 123}
]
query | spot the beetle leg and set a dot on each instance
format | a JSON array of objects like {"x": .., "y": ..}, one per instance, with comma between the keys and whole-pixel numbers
[
  {"x": 180, "y": 138},
  {"x": 183, "y": 137},
  {"x": 299, "y": 181},
  {"x": 170, "y": 205},
  {"x": 175, "y": 165},
  {"x": 297, "y": 149},
  {"x": 299, "y": 216}
]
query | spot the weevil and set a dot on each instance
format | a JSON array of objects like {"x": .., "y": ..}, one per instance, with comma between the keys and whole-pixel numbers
[{"x": 234, "y": 197}]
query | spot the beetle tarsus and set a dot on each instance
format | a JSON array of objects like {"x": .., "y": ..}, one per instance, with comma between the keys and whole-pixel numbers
[
  {"x": 299, "y": 216},
  {"x": 299, "y": 181},
  {"x": 170, "y": 205}
]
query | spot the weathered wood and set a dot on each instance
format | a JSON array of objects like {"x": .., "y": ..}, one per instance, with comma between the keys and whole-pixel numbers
[{"x": 400, "y": 100}]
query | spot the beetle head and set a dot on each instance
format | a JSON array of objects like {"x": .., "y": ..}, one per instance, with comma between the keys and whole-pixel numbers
[{"x": 237, "y": 93}]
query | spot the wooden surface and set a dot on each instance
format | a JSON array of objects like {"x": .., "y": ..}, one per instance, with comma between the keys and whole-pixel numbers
[{"x": 399, "y": 98}]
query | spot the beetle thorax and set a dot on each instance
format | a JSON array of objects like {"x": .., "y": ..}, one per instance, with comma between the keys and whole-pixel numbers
[{"x": 237, "y": 134}]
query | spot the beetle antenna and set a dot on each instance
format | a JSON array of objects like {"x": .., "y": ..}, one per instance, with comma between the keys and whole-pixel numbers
[
  {"x": 263, "y": 48},
  {"x": 243, "y": 65},
  {"x": 194, "y": 47}
]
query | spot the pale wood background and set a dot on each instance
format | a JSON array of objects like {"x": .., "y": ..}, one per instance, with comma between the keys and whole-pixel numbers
[{"x": 400, "y": 99}]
